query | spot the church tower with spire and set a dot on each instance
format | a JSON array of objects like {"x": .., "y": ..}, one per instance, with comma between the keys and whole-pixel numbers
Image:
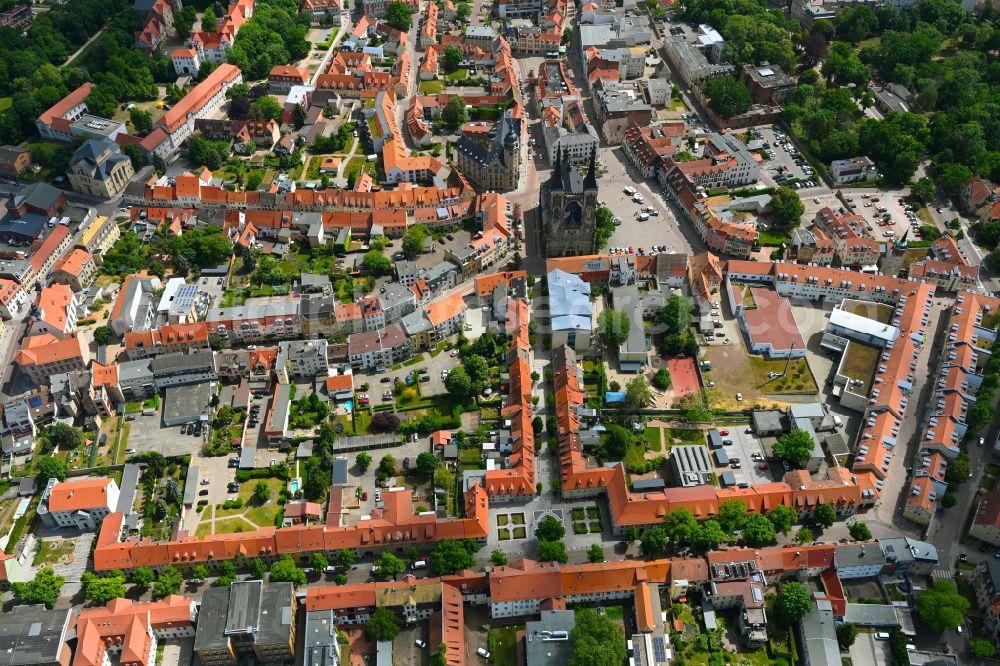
[{"x": 569, "y": 209}]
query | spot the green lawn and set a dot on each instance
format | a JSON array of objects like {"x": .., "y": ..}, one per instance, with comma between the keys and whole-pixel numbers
[
  {"x": 502, "y": 643},
  {"x": 771, "y": 238},
  {"x": 799, "y": 378},
  {"x": 431, "y": 87},
  {"x": 5, "y": 103},
  {"x": 652, "y": 436},
  {"x": 52, "y": 551},
  {"x": 458, "y": 75}
]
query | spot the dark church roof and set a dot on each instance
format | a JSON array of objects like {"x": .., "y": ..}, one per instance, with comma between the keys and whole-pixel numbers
[{"x": 566, "y": 177}]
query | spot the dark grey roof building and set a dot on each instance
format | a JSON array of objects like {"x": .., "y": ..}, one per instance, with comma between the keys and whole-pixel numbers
[
  {"x": 248, "y": 618},
  {"x": 34, "y": 636}
]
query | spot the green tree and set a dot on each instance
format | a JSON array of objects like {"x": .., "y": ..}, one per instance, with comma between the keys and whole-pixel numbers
[
  {"x": 613, "y": 327},
  {"x": 550, "y": 529},
  {"x": 389, "y": 566},
  {"x": 364, "y": 461},
  {"x": 605, "y": 226},
  {"x": 65, "y": 437},
  {"x": 661, "y": 379},
  {"x": 758, "y": 531},
  {"x": 209, "y": 20},
  {"x": 318, "y": 562},
  {"x": 676, "y": 315},
  {"x": 257, "y": 568},
  {"x": 142, "y": 578},
  {"x": 637, "y": 393},
  {"x": 552, "y": 551},
  {"x": 51, "y": 468},
  {"x": 383, "y": 625},
  {"x": 958, "y": 469},
  {"x": 631, "y": 534},
  {"x": 261, "y": 493},
  {"x": 387, "y": 465},
  {"x": 732, "y": 515},
  {"x": 982, "y": 647},
  {"x": 860, "y": 532},
  {"x": 462, "y": 11},
  {"x": 453, "y": 114},
  {"x": 285, "y": 570},
  {"x": 941, "y": 606},
  {"x": 923, "y": 189},
  {"x": 680, "y": 526},
  {"x": 100, "y": 590},
  {"x": 168, "y": 582},
  {"x": 427, "y": 463},
  {"x": 452, "y": 58},
  {"x": 376, "y": 263},
  {"x": 824, "y": 515},
  {"x": 782, "y": 517},
  {"x": 141, "y": 120},
  {"x": 199, "y": 572},
  {"x": 458, "y": 383},
  {"x": 344, "y": 558},
  {"x": 804, "y": 535},
  {"x": 43, "y": 589},
  {"x": 498, "y": 558},
  {"x": 399, "y": 15},
  {"x": 595, "y": 554},
  {"x": 617, "y": 442},
  {"x": 451, "y": 555},
  {"x": 709, "y": 535},
  {"x": 796, "y": 447},
  {"x": 266, "y": 108},
  {"x": 596, "y": 641},
  {"x": 792, "y": 602},
  {"x": 846, "y": 633},
  {"x": 414, "y": 239},
  {"x": 653, "y": 541},
  {"x": 787, "y": 207},
  {"x": 727, "y": 96}
]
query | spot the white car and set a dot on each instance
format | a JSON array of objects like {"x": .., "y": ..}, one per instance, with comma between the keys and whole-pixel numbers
[
  {"x": 739, "y": 397},
  {"x": 454, "y": 353}
]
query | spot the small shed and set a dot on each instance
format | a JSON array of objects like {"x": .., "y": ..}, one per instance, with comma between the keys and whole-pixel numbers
[
  {"x": 727, "y": 479},
  {"x": 450, "y": 452},
  {"x": 721, "y": 457}
]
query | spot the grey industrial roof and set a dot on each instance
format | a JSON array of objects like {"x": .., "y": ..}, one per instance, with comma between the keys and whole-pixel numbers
[
  {"x": 767, "y": 420},
  {"x": 282, "y": 401},
  {"x": 870, "y": 615},
  {"x": 321, "y": 645},
  {"x": 547, "y": 638},
  {"x": 244, "y": 601},
  {"x": 32, "y": 635},
  {"x": 248, "y": 457},
  {"x": 212, "y": 618},
  {"x": 819, "y": 636},
  {"x": 338, "y": 476},
  {"x": 127, "y": 490},
  {"x": 183, "y": 360},
  {"x": 858, "y": 555},
  {"x": 691, "y": 458},
  {"x": 186, "y": 402},
  {"x": 134, "y": 370}
]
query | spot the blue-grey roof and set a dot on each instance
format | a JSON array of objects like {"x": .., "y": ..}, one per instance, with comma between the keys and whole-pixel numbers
[{"x": 569, "y": 301}]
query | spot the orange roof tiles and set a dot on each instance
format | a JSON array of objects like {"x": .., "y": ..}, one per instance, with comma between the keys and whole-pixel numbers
[
  {"x": 79, "y": 495},
  {"x": 63, "y": 106},
  {"x": 74, "y": 262},
  {"x": 445, "y": 309},
  {"x": 193, "y": 102},
  {"x": 45, "y": 349}
]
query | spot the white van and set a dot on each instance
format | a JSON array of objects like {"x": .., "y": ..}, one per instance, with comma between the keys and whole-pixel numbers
[
  {"x": 629, "y": 191},
  {"x": 483, "y": 652},
  {"x": 643, "y": 217},
  {"x": 420, "y": 564},
  {"x": 881, "y": 635}
]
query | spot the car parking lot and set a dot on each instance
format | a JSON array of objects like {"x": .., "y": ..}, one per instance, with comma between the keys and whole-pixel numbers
[
  {"x": 782, "y": 161},
  {"x": 149, "y": 434},
  {"x": 744, "y": 448},
  {"x": 661, "y": 228},
  {"x": 887, "y": 215}
]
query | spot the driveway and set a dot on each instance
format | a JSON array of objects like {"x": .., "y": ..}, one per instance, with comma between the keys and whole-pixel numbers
[{"x": 148, "y": 434}]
